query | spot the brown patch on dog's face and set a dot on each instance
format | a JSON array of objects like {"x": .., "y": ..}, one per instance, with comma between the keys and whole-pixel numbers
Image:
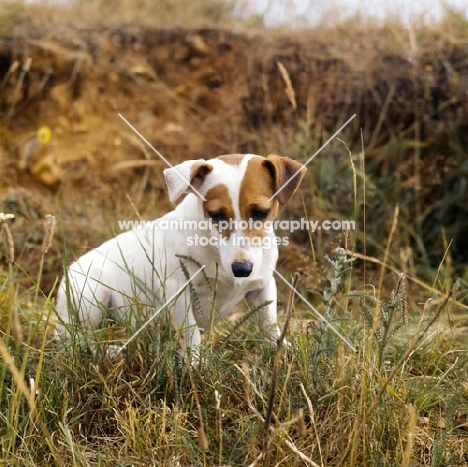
[
  {"x": 241, "y": 256},
  {"x": 256, "y": 189},
  {"x": 218, "y": 206}
]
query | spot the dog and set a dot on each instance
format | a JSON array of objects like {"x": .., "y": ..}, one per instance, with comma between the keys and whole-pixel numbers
[{"x": 230, "y": 203}]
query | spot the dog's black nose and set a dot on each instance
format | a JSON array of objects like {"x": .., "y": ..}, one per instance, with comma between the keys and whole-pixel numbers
[{"x": 242, "y": 269}]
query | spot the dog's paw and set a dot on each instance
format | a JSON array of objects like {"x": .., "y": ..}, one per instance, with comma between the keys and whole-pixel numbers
[
  {"x": 114, "y": 353},
  {"x": 273, "y": 342},
  {"x": 195, "y": 357},
  {"x": 192, "y": 356}
]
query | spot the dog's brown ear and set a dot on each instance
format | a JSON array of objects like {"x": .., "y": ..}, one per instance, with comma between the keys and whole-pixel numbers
[
  {"x": 287, "y": 174},
  {"x": 187, "y": 174}
]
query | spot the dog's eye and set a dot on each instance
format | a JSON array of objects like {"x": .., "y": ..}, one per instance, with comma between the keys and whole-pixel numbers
[
  {"x": 258, "y": 214},
  {"x": 217, "y": 216}
]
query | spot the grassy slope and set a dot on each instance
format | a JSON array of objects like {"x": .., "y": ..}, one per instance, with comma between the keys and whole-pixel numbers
[{"x": 400, "y": 399}]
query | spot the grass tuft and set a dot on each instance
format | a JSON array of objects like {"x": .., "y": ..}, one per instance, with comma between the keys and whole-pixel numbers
[{"x": 398, "y": 397}]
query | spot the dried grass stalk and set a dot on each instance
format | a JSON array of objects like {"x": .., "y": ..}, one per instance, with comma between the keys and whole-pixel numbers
[
  {"x": 50, "y": 224},
  {"x": 289, "y": 88},
  {"x": 10, "y": 246}
]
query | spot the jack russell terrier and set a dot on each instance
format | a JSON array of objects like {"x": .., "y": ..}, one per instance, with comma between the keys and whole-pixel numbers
[{"x": 143, "y": 266}]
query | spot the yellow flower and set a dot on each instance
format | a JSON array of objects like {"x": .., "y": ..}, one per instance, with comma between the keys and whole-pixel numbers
[{"x": 44, "y": 133}]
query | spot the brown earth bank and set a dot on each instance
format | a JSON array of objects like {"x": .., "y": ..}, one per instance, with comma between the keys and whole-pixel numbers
[{"x": 204, "y": 92}]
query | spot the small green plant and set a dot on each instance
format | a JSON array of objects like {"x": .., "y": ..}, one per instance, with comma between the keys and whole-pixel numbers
[
  {"x": 380, "y": 317},
  {"x": 326, "y": 341}
]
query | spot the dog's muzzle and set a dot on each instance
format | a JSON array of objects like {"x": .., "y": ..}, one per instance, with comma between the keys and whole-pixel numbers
[{"x": 242, "y": 269}]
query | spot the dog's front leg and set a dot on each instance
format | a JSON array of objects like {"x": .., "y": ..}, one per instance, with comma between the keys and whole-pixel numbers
[
  {"x": 186, "y": 327},
  {"x": 266, "y": 315}
]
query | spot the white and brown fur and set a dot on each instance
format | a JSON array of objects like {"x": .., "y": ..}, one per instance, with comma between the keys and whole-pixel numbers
[{"x": 237, "y": 187}]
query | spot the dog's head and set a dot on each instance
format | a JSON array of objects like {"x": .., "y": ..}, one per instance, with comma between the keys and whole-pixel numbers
[{"x": 240, "y": 194}]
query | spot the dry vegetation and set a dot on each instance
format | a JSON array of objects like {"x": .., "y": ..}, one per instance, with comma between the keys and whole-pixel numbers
[{"x": 215, "y": 86}]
